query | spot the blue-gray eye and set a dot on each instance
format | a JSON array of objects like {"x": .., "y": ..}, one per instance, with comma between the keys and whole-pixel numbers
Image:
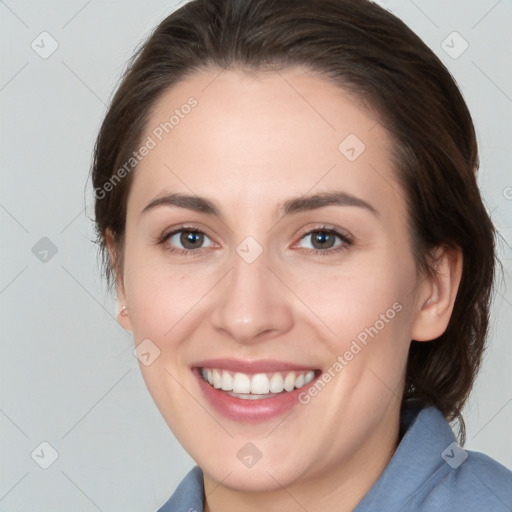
[
  {"x": 188, "y": 240},
  {"x": 322, "y": 239}
]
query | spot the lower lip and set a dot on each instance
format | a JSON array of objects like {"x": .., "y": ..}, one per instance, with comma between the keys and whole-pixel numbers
[{"x": 250, "y": 411}]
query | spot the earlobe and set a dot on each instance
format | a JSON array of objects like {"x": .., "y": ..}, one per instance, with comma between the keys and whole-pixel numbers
[
  {"x": 123, "y": 316},
  {"x": 437, "y": 296}
]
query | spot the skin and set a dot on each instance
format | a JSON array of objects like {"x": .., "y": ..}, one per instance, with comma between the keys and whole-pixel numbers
[{"x": 252, "y": 142}]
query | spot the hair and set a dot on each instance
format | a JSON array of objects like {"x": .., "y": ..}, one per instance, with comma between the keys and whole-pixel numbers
[{"x": 372, "y": 55}]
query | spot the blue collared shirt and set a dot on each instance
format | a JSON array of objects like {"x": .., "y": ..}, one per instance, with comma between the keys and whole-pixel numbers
[{"x": 428, "y": 472}]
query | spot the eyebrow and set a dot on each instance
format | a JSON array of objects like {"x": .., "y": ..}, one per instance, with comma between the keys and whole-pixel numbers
[{"x": 291, "y": 206}]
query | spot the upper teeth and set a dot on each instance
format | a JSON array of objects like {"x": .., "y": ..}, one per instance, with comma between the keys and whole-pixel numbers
[{"x": 259, "y": 384}]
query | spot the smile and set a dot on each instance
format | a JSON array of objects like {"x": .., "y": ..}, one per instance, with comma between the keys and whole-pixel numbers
[
  {"x": 257, "y": 386},
  {"x": 252, "y": 391}
]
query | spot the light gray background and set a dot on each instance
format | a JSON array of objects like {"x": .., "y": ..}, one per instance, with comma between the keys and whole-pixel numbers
[{"x": 68, "y": 374}]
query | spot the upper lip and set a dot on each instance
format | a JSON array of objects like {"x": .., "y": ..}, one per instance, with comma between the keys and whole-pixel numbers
[{"x": 250, "y": 367}]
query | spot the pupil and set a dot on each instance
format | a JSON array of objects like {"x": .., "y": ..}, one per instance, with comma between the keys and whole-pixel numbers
[
  {"x": 190, "y": 239},
  {"x": 321, "y": 238}
]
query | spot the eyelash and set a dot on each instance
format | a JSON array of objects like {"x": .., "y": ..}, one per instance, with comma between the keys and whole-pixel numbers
[{"x": 345, "y": 238}]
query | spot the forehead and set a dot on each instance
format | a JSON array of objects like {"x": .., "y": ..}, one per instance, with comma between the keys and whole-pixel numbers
[{"x": 258, "y": 138}]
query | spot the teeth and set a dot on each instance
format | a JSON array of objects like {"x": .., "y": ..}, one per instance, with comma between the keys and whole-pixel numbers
[
  {"x": 309, "y": 377},
  {"x": 227, "y": 381},
  {"x": 289, "y": 381},
  {"x": 241, "y": 383},
  {"x": 276, "y": 383},
  {"x": 217, "y": 379},
  {"x": 258, "y": 384}
]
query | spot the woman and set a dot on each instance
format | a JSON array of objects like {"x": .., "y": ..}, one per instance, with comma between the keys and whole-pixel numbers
[{"x": 287, "y": 203}]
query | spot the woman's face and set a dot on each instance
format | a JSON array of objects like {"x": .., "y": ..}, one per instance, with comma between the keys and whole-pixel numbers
[{"x": 299, "y": 267}]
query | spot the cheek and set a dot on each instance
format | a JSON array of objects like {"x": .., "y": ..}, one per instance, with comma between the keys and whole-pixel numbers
[
  {"x": 359, "y": 294},
  {"x": 164, "y": 307},
  {"x": 366, "y": 316},
  {"x": 160, "y": 295}
]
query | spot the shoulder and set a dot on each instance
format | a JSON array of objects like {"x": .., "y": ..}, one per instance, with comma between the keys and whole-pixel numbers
[
  {"x": 465, "y": 481},
  {"x": 430, "y": 472},
  {"x": 480, "y": 483}
]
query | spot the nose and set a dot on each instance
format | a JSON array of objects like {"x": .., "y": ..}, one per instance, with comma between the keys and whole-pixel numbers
[{"x": 252, "y": 303}]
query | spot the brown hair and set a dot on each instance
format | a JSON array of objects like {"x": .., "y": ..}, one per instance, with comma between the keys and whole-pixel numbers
[{"x": 372, "y": 54}]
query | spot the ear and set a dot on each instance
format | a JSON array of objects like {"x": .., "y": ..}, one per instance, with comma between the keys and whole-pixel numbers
[
  {"x": 437, "y": 296},
  {"x": 123, "y": 315}
]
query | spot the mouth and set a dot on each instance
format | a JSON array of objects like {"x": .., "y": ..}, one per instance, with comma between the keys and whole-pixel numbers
[
  {"x": 257, "y": 386},
  {"x": 253, "y": 392}
]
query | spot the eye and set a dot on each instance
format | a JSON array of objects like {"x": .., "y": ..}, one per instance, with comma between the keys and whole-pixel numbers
[
  {"x": 325, "y": 241},
  {"x": 186, "y": 240}
]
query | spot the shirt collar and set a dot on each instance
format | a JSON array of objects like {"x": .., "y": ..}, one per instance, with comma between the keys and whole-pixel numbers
[{"x": 417, "y": 458}]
